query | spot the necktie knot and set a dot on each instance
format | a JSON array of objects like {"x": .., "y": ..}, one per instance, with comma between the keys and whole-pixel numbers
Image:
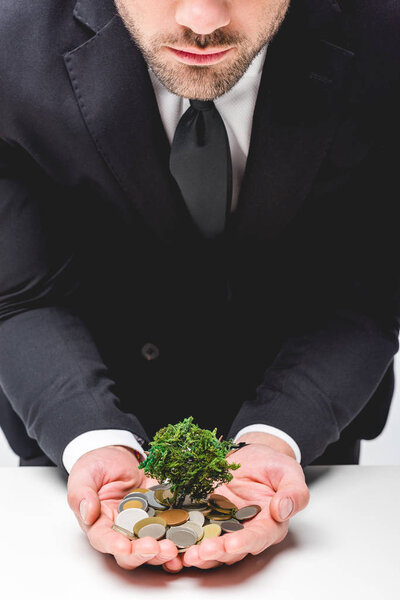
[{"x": 202, "y": 105}]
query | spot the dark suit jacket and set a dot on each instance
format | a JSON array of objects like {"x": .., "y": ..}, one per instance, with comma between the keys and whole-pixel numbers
[{"x": 99, "y": 255}]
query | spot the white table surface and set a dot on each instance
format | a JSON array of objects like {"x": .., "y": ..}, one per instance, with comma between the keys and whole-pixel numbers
[{"x": 345, "y": 545}]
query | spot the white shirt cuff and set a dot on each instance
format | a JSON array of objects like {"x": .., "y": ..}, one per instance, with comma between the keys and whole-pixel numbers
[
  {"x": 273, "y": 431},
  {"x": 91, "y": 440}
]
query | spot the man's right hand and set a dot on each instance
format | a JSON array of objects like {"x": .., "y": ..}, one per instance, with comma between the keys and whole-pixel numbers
[{"x": 97, "y": 483}]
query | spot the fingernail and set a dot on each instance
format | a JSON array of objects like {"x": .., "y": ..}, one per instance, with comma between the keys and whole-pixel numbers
[
  {"x": 83, "y": 510},
  {"x": 146, "y": 556},
  {"x": 285, "y": 508}
]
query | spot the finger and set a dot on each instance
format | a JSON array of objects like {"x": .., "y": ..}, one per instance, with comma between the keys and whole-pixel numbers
[
  {"x": 215, "y": 549},
  {"x": 194, "y": 560},
  {"x": 146, "y": 547},
  {"x": 208, "y": 564},
  {"x": 83, "y": 495},
  {"x": 191, "y": 557},
  {"x": 211, "y": 549},
  {"x": 149, "y": 482},
  {"x": 129, "y": 562},
  {"x": 284, "y": 533},
  {"x": 168, "y": 551},
  {"x": 105, "y": 540},
  {"x": 290, "y": 498},
  {"x": 230, "y": 559},
  {"x": 143, "y": 551},
  {"x": 213, "y": 553},
  {"x": 208, "y": 550},
  {"x": 173, "y": 566},
  {"x": 253, "y": 538}
]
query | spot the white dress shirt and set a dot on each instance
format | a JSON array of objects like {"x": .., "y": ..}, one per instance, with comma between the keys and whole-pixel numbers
[{"x": 236, "y": 108}]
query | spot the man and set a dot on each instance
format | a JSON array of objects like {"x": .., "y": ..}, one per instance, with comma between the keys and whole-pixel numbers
[{"x": 116, "y": 300}]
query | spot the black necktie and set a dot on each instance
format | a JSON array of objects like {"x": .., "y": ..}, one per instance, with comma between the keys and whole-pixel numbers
[{"x": 200, "y": 162}]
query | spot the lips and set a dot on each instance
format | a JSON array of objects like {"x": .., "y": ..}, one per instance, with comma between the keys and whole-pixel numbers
[
  {"x": 199, "y": 52},
  {"x": 199, "y": 58}
]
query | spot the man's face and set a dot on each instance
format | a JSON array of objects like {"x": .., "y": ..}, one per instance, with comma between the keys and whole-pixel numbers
[{"x": 201, "y": 48}]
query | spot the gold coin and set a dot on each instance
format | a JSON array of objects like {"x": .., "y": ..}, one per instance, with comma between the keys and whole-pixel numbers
[
  {"x": 223, "y": 511},
  {"x": 163, "y": 496},
  {"x": 175, "y": 516},
  {"x": 132, "y": 504},
  {"x": 167, "y": 494},
  {"x": 206, "y": 511},
  {"x": 222, "y": 502},
  {"x": 157, "y": 495},
  {"x": 148, "y": 521},
  {"x": 141, "y": 490},
  {"x": 211, "y": 531},
  {"x": 215, "y": 516}
]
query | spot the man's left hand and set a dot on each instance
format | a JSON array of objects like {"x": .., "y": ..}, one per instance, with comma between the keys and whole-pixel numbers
[{"x": 270, "y": 477}]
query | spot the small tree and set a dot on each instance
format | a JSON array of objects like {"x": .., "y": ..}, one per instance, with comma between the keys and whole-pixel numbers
[{"x": 192, "y": 459}]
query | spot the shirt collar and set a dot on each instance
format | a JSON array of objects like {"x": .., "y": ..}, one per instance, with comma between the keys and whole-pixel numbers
[{"x": 256, "y": 67}]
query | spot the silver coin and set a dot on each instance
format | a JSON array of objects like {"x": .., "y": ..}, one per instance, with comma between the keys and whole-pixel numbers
[
  {"x": 247, "y": 512},
  {"x": 231, "y": 525},
  {"x": 153, "y": 502},
  {"x": 183, "y": 538},
  {"x": 194, "y": 527},
  {"x": 129, "y": 517},
  {"x": 154, "y": 530},
  {"x": 142, "y": 501},
  {"x": 151, "y": 512},
  {"x": 196, "y": 517},
  {"x": 135, "y": 496},
  {"x": 124, "y": 532},
  {"x": 160, "y": 486}
]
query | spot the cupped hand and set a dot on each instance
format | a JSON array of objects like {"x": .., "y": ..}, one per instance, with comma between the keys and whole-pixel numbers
[
  {"x": 97, "y": 483},
  {"x": 271, "y": 479}
]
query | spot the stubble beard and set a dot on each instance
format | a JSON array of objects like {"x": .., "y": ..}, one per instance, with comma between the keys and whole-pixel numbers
[{"x": 201, "y": 82}]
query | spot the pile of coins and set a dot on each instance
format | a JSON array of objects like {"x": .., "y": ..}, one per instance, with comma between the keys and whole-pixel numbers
[{"x": 147, "y": 512}]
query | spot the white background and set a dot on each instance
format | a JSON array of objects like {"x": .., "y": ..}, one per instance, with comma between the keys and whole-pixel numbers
[
  {"x": 344, "y": 545},
  {"x": 384, "y": 450}
]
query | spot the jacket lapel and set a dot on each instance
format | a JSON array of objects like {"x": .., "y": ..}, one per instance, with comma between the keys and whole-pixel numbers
[
  {"x": 297, "y": 109},
  {"x": 115, "y": 94}
]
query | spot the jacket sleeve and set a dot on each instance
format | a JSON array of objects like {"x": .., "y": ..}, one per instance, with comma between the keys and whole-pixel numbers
[
  {"x": 329, "y": 365},
  {"x": 50, "y": 368},
  {"x": 321, "y": 380}
]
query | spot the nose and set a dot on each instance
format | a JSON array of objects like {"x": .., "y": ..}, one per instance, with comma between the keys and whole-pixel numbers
[{"x": 202, "y": 16}]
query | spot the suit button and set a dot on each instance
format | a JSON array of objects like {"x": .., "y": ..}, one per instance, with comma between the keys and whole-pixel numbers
[{"x": 150, "y": 351}]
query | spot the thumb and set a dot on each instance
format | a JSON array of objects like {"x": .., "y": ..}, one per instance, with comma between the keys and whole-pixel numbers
[
  {"x": 83, "y": 494},
  {"x": 288, "y": 500}
]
